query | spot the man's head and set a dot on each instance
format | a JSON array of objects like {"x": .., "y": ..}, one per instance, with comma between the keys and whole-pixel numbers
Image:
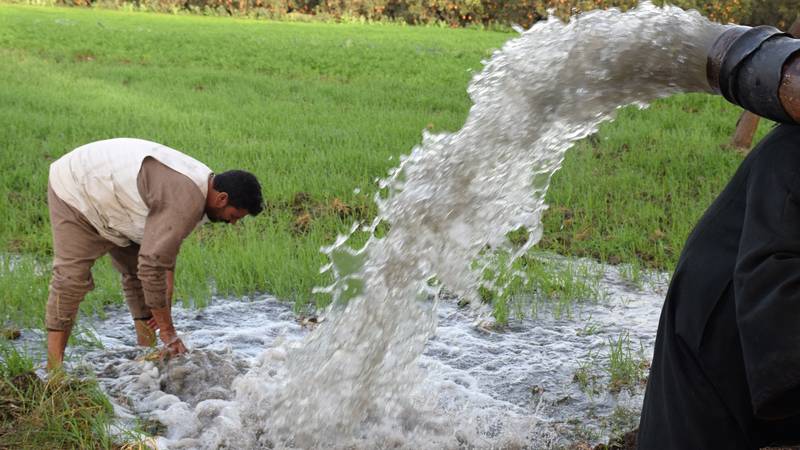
[{"x": 233, "y": 195}]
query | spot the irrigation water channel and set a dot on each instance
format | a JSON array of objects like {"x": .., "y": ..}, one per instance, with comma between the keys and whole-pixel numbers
[{"x": 389, "y": 367}]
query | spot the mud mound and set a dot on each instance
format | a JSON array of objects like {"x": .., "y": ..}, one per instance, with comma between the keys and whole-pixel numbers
[{"x": 200, "y": 375}]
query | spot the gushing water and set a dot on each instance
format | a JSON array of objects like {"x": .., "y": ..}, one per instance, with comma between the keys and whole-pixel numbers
[
  {"x": 454, "y": 197},
  {"x": 443, "y": 213}
]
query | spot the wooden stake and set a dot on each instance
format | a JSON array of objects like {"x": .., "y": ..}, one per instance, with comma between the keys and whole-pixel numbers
[{"x": 746, "y": 127}]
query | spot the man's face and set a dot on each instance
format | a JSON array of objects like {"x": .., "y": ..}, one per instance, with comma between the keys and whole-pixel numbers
[{"x": 228, "y": 213}]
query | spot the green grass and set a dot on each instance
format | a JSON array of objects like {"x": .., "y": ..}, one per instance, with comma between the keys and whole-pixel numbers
[
  {"x": 535, "y": 281},
  {"x": 633, "y": 192},
  {"x": 587, "y": 377},
  {"x": 312, "y": 109},
  {"x": 60, "y": 412},
  {"x": 315, "y": 110},
  {"x": 626, "y": 368}
]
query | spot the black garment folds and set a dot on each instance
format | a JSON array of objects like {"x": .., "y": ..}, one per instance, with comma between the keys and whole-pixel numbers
[{"x": 726, "y": 368}]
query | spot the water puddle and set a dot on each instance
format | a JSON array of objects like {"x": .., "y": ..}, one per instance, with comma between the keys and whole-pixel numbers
[{"x": 482, "y": 386}]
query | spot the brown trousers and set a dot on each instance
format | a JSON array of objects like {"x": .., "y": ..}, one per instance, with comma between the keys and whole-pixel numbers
[{"x": 76, "y": 246}]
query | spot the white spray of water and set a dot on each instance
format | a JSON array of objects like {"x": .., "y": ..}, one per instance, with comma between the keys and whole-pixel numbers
[{"x": 354, "y": 382}]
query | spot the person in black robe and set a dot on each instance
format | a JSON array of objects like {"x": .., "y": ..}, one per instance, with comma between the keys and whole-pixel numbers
[{"x": 726, "y": 367}]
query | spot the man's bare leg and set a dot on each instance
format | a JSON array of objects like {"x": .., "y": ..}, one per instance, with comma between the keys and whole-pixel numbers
[
  {"x": 126, "y": 261},
  {"x": 145, "y": 336},
  {"x": 76, "y": 246},
  {"x": 56, "y": 344}
]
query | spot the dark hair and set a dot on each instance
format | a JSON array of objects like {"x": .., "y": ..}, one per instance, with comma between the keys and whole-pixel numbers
[{"x": 242, "y": 188}]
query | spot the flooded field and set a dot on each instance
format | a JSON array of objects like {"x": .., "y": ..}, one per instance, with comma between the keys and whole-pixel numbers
[{"x": 542, "y": 382}]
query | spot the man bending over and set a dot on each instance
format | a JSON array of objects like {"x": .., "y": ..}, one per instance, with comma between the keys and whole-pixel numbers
[{"x": 137, "y": 201}]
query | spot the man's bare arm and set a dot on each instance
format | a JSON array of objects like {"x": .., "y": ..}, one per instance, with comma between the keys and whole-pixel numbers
[{"x": 170, "y": 289}]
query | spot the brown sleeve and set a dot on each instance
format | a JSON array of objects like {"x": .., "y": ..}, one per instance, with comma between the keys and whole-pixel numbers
[{"x": 176, "y": 206}]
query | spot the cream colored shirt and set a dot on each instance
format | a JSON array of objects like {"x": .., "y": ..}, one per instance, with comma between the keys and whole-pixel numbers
[{"x": 99, "y": 179}]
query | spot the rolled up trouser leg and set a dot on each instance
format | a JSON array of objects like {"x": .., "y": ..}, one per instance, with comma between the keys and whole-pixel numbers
[
  {"x": 125, "y": 260},
  {"x": 67, "y": 290},
  {"x": 76, "y": 246},
  {"x": 134, "y": 297}
]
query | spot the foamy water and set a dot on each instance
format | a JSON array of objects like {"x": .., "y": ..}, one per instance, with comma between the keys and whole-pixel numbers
[
  {"x": 392, "y": 366},
  {"x": 513, "y": 387}
]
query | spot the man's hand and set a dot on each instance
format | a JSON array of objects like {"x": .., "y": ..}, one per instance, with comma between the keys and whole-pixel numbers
[
  {"x": 166, "y": 330},
  {"x": 172, "y": 343}
]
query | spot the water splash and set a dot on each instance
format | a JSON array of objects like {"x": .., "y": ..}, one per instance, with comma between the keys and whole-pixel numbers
[
  {"x": 483, "y": 389},
  {"x": 457, "y": 195},
  {"x": 356, "y": 381}
]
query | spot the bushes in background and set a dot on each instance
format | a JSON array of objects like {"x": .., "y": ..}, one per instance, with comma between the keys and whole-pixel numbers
[
  {"x": 456, "y": 13},
  {"x": 774, "y": 12}
]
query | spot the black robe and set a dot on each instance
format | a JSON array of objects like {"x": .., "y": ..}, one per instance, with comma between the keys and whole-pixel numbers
[{"x": 726, "y": 367}]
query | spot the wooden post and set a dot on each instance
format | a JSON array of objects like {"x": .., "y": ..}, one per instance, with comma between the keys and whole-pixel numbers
[
  {"x": 746, "y": 127},
  {"x": 748, "y": 122}
]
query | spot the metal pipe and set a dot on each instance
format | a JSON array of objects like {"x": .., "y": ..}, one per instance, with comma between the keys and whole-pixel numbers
[{"x": 758, "y": 69}]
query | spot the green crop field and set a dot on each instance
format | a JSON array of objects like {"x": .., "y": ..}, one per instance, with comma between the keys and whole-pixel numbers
[{"x": 316, "y": 111}]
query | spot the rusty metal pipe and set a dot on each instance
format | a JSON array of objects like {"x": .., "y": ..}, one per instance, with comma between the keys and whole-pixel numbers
[{"x": 758, "y": 69}]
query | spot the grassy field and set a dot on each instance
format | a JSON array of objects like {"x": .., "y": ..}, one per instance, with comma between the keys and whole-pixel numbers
[
  {"x": 633, "y": 192},
  {"x": 316, "y": 111}
]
